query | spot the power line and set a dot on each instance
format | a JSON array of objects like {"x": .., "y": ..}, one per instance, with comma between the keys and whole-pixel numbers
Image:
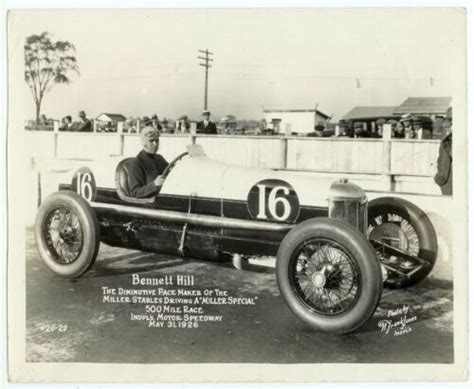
[{"x": 207, "y": 65}]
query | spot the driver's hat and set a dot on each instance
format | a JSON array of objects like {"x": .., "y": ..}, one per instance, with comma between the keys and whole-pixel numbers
[{"x": 150, "y": 131}]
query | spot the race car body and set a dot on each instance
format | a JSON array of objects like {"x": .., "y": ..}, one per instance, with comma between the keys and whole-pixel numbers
[{"x": 333, "y": 248}]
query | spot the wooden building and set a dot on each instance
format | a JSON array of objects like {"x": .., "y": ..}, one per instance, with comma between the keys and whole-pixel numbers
[{"x": 293, "y": 121}]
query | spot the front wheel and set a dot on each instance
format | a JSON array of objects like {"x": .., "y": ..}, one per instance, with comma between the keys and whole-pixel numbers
[
  {"x": 67, "y": 234},
  {"x": 328, "y": 275}
]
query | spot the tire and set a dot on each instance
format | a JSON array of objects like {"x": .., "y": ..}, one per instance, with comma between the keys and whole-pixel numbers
[
  {"x": 300, "y": 279},
  {"x": 424, "y": 245},
  {"x": 67, "y": 234}
]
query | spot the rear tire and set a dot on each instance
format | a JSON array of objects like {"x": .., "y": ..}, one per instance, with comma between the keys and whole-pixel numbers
[
  {"x": 329, "y": 275},
  {"x": 414, "y": 227},
  {"x": 67, "y": 234}
]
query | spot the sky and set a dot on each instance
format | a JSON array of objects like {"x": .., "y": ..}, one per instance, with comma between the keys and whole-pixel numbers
[{"x": 140, "y": 62}]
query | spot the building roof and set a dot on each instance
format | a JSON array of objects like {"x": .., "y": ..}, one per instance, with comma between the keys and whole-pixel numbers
[
  {"x": 297, "y": 110},
  {"x": 373, "y": 112},
  {"x": 116, "y": 117},
  {"x": 424, "y": 105}
]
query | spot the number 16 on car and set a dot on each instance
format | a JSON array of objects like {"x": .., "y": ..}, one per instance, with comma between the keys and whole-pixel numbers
[{"x": 275, "y": 200}]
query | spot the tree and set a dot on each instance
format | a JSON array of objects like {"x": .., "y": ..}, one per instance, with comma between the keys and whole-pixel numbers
[{"x": 47, "y": 63}]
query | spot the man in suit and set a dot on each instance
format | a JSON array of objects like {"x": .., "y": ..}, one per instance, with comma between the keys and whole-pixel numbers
[
  {"x": 444, "y": 174},
  {"x": 85, "y": 125},
  {"x": 206, "y": 126}
]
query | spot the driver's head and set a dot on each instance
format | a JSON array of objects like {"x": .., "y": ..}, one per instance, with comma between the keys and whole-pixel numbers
[{"x": 150, "y": 139}]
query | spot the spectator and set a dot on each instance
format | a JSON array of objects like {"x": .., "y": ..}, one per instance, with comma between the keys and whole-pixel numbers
[
  {"x": 393, "y": 125},
  {"x": 379, "y": 133},
  {"x": 359, "y": 131},
  {"x": 144, "y": 122},
  {"x": 399, "y": 130},
  {"x": 43, "y": 120},
  {"x": 422, "y": 128},
  {"x": 85, "y": 124},
  {"x": 206, "y": 126},
  {"x": 345, "y": 129},
  {"x": 407, "y": 121},
  {"x": 66, "y": 124},
  {"x": 318, "y": 131},
  {"x": 444, "y": 175},
  {"x": 131, "y": 128},
  {"x": 164, "y": 124},
  {"x": 182, "y": 125},
  {"x": 438, "y": 128},
  {"x": 155, "y": 123}
]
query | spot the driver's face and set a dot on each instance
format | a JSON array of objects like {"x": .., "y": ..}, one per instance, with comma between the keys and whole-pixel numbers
[{"x": 151, "y": 144}]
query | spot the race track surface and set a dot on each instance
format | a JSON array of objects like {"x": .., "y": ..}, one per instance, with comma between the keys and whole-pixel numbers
[{"x": 67, "y": 321}]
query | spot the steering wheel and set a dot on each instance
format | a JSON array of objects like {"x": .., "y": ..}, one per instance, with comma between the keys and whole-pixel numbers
[{"x": 172, "y": 164}]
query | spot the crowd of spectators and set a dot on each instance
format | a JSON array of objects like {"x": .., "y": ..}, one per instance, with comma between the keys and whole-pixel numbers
[
  {"x": 407, "y": 127},
  {"x": 82, "y": 125},
  {"x": 131, "y": 125}
]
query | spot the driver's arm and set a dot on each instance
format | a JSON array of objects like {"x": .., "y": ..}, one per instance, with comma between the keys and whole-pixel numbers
[
  {"x": 159, "y": 181},
  {"x": 139, "y": 188}
]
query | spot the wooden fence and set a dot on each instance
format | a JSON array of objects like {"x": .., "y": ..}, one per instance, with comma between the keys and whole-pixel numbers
[{"x": 385, "y": 157}]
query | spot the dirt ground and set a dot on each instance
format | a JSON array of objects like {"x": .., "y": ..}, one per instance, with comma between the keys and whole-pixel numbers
[{"x": 69, "y": 321}]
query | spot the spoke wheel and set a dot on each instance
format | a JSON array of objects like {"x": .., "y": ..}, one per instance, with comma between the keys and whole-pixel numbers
[
  {"x": 396, "y": 231},
  {"x": 67, "y": 234},
  {"x": 63, "y": 234},
  {"x": 324, "y": 276},
  {"x": 329, "y": 276},
  {"x": 399, "y": 224}
]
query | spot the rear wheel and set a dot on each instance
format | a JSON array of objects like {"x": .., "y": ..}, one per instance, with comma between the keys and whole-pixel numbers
[
  {"x": 67, "y": 234},
  {"x": 404, "y": 238},
  {"x": 329, "y": 276}
]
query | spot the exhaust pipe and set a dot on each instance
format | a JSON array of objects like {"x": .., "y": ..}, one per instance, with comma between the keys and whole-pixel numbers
[{"x": 189, "y": 218}]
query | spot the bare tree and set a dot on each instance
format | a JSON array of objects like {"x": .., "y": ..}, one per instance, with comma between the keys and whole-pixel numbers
[{"x": 47, "y": 63}]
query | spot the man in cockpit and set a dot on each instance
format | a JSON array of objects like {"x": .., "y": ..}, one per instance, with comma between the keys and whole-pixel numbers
[{"x": 145, "y": 170}]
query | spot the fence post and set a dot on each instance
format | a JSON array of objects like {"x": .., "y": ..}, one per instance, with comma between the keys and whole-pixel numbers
[
  {"x": 121, "y": 137},
  {"x": 283, "y": 152},
  {"x": 192, "y": 133},
  {"x": 56, "y": 133},
  {"x": 95, "y": 125},
  {"x": 387, "y": 158}
]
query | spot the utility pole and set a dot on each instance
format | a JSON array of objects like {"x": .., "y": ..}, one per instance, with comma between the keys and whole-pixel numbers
[{"x": 207, "y": 65}]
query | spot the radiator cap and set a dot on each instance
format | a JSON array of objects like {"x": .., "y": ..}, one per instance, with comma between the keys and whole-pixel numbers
[{"x": 345, "y": 190}]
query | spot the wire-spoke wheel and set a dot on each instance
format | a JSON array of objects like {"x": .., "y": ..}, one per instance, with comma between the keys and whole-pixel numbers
[
  {"x": 404, "y": 239},
  {"x": 67, "y": 234},
  {"x": 324, "y": 276},
  {"x": 63, "y": 234},
  {"x": 329, "y": 276}
]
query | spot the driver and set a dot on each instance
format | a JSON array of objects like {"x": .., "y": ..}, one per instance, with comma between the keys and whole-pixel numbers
[{"x": 145, "y": 170}]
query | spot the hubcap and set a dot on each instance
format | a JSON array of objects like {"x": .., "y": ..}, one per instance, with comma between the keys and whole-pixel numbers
[{"x": 319, "y": 280}]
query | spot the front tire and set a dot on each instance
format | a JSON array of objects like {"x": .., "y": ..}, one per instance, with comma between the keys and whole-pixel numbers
[
  {"x": 328, "y": 275},
  {"x": 67, "y": 234}
]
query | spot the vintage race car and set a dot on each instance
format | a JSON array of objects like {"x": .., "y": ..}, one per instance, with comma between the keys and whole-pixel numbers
[{"x": 334, "y": 249}]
